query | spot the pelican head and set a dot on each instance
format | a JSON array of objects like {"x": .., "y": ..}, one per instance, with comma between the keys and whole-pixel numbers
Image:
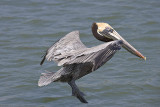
[{"x": 104, "y": 32}]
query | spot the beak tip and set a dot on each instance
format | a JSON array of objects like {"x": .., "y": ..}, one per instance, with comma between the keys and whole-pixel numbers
[
  {"x": 143, "y": 57},
  {"x": 140, "y": 55}
]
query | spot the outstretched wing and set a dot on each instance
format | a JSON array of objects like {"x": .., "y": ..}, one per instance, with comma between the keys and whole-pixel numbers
[
  {"x": 67, "y": 44},
  {"x": 97, "y": 55}
]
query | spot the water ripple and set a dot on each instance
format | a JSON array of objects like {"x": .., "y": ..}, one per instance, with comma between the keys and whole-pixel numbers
[{"x": 28, "y": 28}]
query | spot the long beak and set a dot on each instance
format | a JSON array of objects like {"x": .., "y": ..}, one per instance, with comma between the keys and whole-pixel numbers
[{"x": 115, "y": 36}]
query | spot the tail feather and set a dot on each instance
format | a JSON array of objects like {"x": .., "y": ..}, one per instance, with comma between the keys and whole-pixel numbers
[{"x": 46, "y": 78}]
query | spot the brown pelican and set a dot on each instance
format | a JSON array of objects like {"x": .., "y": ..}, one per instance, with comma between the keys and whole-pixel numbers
[{"x": 77, "y": 60}]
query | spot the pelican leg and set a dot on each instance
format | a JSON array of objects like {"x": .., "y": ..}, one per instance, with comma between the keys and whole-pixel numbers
[{"x": 76, "y": 92}]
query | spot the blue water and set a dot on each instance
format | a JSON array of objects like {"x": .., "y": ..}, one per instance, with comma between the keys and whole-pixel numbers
[{"x": 28, "y": 28}]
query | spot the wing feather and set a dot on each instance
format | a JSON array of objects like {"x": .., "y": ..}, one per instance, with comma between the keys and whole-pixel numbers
[
  {"x": 97, "y": 55},
  {"x": 70, "y": 50},
  {"x": 68, "y": 43}
]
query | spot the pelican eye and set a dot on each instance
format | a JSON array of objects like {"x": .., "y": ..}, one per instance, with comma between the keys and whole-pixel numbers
[{"x": 108, "y": 29}]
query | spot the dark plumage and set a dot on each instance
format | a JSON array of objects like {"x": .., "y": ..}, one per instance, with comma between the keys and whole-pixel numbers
[{"x": 77, "y": 60}]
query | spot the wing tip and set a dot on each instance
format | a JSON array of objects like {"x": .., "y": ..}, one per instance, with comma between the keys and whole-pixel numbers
[
  {"x": 41, "y": 63},
  {"x": 75, "y": 32},
  {"x": 44, "y": 57}
]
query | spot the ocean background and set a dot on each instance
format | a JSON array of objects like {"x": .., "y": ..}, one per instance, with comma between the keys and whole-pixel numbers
[{"x": 29, "y": 27}]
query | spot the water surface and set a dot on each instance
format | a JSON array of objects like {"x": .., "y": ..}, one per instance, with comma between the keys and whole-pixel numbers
[{"x": 28, "y": 28}]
